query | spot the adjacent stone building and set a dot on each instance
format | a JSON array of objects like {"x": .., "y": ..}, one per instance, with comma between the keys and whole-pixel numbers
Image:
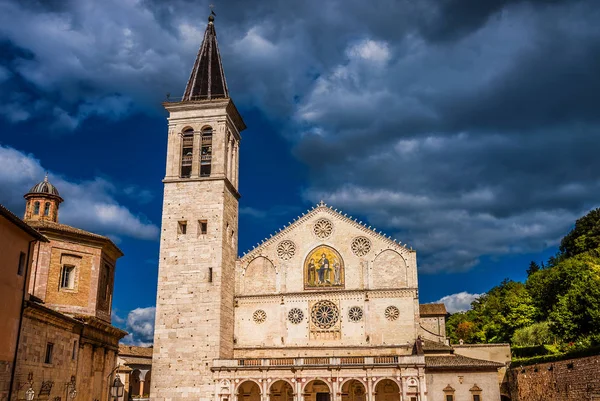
[
  {"x": 67, "y": 347},
  {"x": 16, "y": 245},
  {"x": 325, "y": 309}
]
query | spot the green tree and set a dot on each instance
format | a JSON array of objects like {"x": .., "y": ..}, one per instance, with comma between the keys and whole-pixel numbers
[
  {"x": 455, "y": 329},
  {"x": 504, "y": 309},
  {"x": 533, "y": 268},
  {"x": 576, "y": 314},
  {"x": 535, "y": 334},
  {"x": 584, "y": 237}
]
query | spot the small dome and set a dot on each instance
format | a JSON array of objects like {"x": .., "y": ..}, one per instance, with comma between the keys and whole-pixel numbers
[{"x": 44, "y": 187}]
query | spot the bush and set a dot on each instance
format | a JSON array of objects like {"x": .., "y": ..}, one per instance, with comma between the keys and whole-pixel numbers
[
  {"x": 532, "y": 335},
  {"x": 528, "y": 352},
  {"x": 580, "y": 353}
]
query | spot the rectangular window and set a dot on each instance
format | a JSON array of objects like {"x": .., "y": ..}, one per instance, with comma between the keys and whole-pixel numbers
[
  {"x": 182, "y": 227},
  {"x": 476, "y": 397},
  {"x": 202, "y": 227},
  {"x": 74, "y": 353},
  {"x": 67, "y": 279},
  {"x": 22, "y": 261},
  {"x": 210, "y": 274},
  {"x": 449, "y": 397},
  {"x": 49, "y": 349}
]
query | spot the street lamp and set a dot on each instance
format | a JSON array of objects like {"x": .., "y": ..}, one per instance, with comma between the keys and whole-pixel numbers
[
  {"x": 29, "y": 394},
  {"x": 117, "y": 389}
]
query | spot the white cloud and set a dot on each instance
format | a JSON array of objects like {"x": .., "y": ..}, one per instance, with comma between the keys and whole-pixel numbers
[
  {"x": 116, "y": 319},
  {"x": 458, "y": 302},
  {"x": 376, "y": 51},
  {"x": 90, "y": 205},
  {"x": 140, "y": 325}
]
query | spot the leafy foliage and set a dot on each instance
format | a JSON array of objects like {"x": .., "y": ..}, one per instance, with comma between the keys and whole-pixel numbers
[
  {"x": 494, "y": 316},
  {"x": 533, "y": 335},
  {"x": 559, "y": 303},
  {"x": 584, "y": 237}
]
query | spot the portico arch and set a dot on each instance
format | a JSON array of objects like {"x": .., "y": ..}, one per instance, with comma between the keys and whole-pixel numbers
[
  {"x": 134, "y": 383},
  {"x": 354, "y": 390},
  {"x": 248, "y": 390},
  {"x": 317, "y": 390},
  {"x": 387, "y": 390},
  {"x": 281, "y": 390}
]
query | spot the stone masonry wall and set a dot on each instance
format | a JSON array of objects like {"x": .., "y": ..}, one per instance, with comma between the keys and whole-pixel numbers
[
  {"x": 80, "y": 351},
  {"x": 381, "y": 276},
  {"x": 570, "y": 380},
  {"x": 194, "y": 308}
]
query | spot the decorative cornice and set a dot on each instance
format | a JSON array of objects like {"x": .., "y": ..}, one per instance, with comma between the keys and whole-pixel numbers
[{"x": 321, "y": 207}]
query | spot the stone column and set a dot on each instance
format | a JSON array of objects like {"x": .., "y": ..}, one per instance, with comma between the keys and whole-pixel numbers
[
  {"x": 370, "y": 390},
  {"x": 422, "y": 384},
  {"x": 230, "y": 142},
  {"x": 174, "y": 154},
  {"x": 196, "y": 154},
  {"x": 403, "y": 389},
  {"x": 335, "y": 396},
  {"x": 237, "y": 164}
]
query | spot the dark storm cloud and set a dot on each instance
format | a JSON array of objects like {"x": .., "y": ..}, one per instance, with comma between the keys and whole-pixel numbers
[
  {"x": 467, "y": 128},
  {"x": 456, "y": 18}
]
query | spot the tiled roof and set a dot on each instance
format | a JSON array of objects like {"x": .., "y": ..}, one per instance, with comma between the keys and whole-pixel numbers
[
  {"x": 131, "y": 350},
  {"x": 133, "y": 360},
  {"x": 207, "y": 80},
  {"x": 429, "y": 345},
  {"x": 432, "y": 309},
  {"x": 10, "y": 216},
  {"x": 42, "y": 225},
  {"x": 458, "y": 362}
]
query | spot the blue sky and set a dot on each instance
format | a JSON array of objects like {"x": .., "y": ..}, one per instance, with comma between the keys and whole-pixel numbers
[{"x": 467, "y": 129}]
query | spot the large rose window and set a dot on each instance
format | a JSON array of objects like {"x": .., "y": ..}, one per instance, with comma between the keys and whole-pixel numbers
[{"x": 324, "y": 314}]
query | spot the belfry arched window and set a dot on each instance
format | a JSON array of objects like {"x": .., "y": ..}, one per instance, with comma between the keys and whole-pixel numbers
[
  {"x": 47, "y": 209},
  {"x": 206, "y": 152},
  {"x": 36, "y": 207},
  {"x": 187, "y": 153}
]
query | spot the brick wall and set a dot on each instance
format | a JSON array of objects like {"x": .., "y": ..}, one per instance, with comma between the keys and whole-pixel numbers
[{"x": 570, "y": 380}]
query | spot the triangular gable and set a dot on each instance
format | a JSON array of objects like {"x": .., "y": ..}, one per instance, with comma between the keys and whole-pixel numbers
[{"x": 322, "y": 207}]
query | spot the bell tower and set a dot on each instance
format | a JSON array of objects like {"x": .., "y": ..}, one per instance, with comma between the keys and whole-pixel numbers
[{"x": 198, "y": 244}]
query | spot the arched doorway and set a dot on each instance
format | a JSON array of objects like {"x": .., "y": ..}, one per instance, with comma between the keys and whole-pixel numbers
[
  {"x": 281, "y": 391},
  {"x": 317, "y": 390},
  {"x": 353, "y": 390},
  {"x": 248, "y": 391},
  {"x": 387, "y": 390}
]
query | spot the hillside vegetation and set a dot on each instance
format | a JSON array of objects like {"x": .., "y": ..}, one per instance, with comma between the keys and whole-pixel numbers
[{"x": 556, "y": 310}]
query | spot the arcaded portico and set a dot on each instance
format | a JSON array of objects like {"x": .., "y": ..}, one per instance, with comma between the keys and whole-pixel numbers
[{"x": 390, "y": 378}]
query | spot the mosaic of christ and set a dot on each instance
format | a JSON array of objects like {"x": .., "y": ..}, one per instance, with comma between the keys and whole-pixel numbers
[{"x": 323, "y": 268}]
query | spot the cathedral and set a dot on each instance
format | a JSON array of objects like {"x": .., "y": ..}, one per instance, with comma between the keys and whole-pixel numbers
[{"x": 326, "y": 309}]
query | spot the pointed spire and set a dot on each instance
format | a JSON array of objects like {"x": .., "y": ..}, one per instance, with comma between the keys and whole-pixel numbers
[{"x": 207, "y": 80}]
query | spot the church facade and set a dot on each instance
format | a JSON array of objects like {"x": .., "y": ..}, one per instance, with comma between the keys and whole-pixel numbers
[{"x": 326, "y": 309}]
